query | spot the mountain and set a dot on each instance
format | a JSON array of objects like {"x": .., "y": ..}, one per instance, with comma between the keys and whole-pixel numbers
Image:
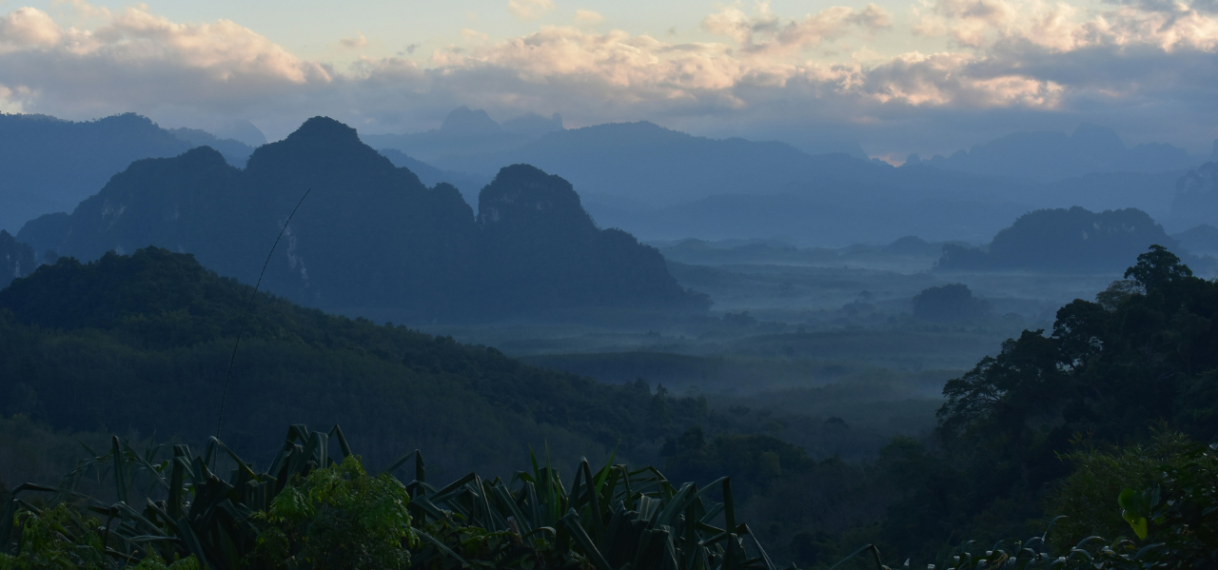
[
  {"x": 1196, "y": 200},
  {"x": 826, "y": 213},
  {"x": 646, "y": 162},
  {"x": 468, "y": 184},
  {"x": 1073, "y": 240},
  {"x": 1202, "y": 239},
  {"x": 370, "y": 239},
  {"x": 1047, "y": 156},
  {"x": 465, "y": 132},
  {"x": 16, "y": 259},
  {"x": 50, "y": 165},
  {"x": 541, "y": 249},
  {"x": 141, "y": 344},
  {"x": 234, "y": 151}
]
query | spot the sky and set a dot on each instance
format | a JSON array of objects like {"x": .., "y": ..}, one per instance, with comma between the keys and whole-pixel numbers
[{"x": 896, "y": 77}]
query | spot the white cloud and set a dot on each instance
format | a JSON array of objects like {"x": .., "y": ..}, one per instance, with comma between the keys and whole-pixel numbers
[
  {"x": 529, "y": 10},
  {"x": 588, "y": 17},
  {"x": 356, "y": 42},
  {"x": 26, "y": 28},
  {"x": 1016, "y": 57},
  {"x": 765, "y": 33},
  {"x": 989, "y": 24},
  {"x": 473, "y": 35}
]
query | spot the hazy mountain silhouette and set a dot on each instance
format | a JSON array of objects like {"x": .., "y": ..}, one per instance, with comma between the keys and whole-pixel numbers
[
  {"x": 234, "y": 151},
  {"x": 50, "y": 165},
  {"x": 16, "y": 259},
  {"x": 949, "y": 303},
  {"x": 541, "y": 249},
  {"x": 1196, "y": 200},
  {"x": 1202, "y": 239},
  {"x": 1073, "y": 240},
  {"x": 646, "y": 162},
  {"x": 468, "y": 184},
  {"x": 533, "y": 125},
  {"x": 465, "y": 132},
  {"x": 1049, "y": 156},
  {"x": 371, "y": 238}
]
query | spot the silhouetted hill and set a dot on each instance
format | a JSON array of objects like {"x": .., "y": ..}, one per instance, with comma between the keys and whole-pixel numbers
[
  {"x": 1196, "y": 200},
  {"x": 50, "y": 165},
  {"x": 468, "y": 184},
  {"x": 234, "y": 151},
  {"x": 465, "y": 132},
  {"x": 912, "y": 245},
  {"x": 142, "y": 343},
  {"x": 949, "y": 303},
  {"x": 643, "y": 161},
  {"x": 1050, "y": 156},
  {"x": 371, "y": 239},
  {"x": 1202, "y": 239},
  {"x": 1073, "y": 240},
  {"x": 827, "y": 214},
  {"x": 538, "y": 240},
  {"x": 16, "y": 259}
]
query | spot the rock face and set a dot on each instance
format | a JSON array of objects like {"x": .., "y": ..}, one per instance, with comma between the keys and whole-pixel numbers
[
  {"x": 539, "y": 248},
  {"x": 1196, "y": 200},
  {"x": 1073, "y": 240},
  {"x": 369, "y": 238},
  {"x": 16, "y": 259}
]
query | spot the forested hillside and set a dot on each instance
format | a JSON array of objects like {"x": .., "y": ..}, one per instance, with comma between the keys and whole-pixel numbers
[{"x": 141, "y": 344}]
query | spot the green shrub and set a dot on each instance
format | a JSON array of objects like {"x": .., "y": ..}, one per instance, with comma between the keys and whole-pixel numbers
[{"x": 338, "y": 517}]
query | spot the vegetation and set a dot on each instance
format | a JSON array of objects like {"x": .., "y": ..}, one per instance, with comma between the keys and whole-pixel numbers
[
  {"x": 1094, "y": 420},
  {"x": 948, "y": 303},
  {"x": 310, "y": 510},
  {"x": 1143, "y": 355},
  {"x": 138, "y": 344}
]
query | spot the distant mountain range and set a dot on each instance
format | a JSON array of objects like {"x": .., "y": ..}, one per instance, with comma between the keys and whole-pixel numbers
[
  {"x": 1071, "y": 240},
  {"x": 467, "y": 132},
  {"x": 370, "y": 239},
  {"x": 662, "y": 184},
  {"x": 50, "y": 165},
  {"x": 1051, "y": 156}
]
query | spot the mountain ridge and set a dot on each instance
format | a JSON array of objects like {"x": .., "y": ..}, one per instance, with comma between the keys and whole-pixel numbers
[{"x": 370, "y": 239}]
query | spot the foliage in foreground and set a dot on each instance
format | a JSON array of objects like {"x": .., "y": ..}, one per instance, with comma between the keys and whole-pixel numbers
[{"x": 311, "y": 511}]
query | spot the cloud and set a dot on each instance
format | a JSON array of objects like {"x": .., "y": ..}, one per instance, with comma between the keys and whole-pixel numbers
[
  {"x": 588, "y": 17},
  {"x": 1146, "y": 63},
  {"x": 28, "y": 28},
  {"x": 764, "y": 33},
  {"x": 356, "y": 42},
  {"x": 528, "y": 10},
  {"x": 136, "y": 60},
  {"x": 1007, "y": 24}
]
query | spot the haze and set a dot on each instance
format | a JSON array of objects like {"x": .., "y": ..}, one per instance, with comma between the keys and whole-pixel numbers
[
  {"x": 897, "y": 78},
  {"x": 609, "y": 285}
]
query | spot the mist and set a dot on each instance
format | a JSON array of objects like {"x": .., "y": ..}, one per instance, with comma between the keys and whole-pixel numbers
[{"x": 760, "y": 287}]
